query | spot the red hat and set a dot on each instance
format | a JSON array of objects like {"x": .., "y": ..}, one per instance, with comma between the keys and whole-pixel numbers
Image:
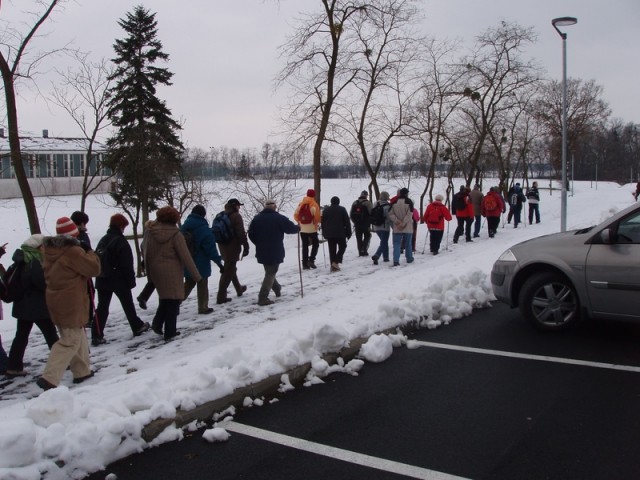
[
  {"x": 118, "y": 220},
  {"x": 65, "y": 226},
  {"x": 311, "y": 192}
]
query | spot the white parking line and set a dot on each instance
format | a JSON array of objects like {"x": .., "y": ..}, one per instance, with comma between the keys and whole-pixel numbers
[
  {"x": 338, "y": 454},
  {"x": 541, "y": 358}
]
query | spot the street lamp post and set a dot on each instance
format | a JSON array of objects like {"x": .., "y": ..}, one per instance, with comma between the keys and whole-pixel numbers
[{"x": 564, "y": 22}]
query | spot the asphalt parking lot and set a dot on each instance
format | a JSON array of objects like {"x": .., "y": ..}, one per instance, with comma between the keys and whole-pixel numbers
[{"x": 486, "y": 397}]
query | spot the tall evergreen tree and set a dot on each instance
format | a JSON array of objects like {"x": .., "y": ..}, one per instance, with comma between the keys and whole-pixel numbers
[{"x": 145, "y": 151}]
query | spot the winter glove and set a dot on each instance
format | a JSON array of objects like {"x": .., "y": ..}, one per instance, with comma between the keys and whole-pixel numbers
[
  {"x": 3, "y": 250},
  {"x": 245, "y": 251},
  {"x": 221, "y": 267}
]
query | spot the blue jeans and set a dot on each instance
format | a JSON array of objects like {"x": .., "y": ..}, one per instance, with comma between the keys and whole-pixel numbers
[
  {"x": 397, "y": 241},
  {"x": 477, "y": 225},
  {"x": 383, "y": 248}
]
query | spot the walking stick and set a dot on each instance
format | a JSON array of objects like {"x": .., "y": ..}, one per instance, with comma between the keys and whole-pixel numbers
[
  {"x": 446, "y": 245},
  {"x": 424, "y": 247},
  {"x": 300, "y": 269}
]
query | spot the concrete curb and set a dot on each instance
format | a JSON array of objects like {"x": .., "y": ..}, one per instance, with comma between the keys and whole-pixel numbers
[{"x": 267, "y": 387}]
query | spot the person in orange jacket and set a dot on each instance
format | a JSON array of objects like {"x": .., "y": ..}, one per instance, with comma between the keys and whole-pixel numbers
[{"x": 308, "y": 217}]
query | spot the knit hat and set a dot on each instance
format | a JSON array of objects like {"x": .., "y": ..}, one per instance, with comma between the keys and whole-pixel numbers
[
  {"x": 439, "y": 198},
  {"x": 311, "y": 192},
  {"x": 403, "y": 192},
  {"x": 118, "y": 220},
  {"x": 335, "y": 201},
  {"x": 65, "y": 226},
  {"x": 34, "y": 241},
  {"x": 364, "y": 193},
  {"x": 79, "y": 217},
  {"x": 384, "y": 195},
  {"x": 200, "y": 210}
]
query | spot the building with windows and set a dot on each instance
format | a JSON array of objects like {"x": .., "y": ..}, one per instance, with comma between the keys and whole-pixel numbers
[{"x": 54, "y": 166}]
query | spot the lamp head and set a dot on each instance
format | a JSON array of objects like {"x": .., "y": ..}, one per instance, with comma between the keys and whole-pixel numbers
[{"x": 563, "y": 22}]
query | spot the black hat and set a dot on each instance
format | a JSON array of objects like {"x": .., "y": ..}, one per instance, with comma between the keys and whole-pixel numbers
[
  {"x": 335, "y": 201},
  {"x": 403, "y": 192},
  {"x": 78, "y": 217},
  {"x": 234, "y": 202},
  {"x": 199, "y": 210}
]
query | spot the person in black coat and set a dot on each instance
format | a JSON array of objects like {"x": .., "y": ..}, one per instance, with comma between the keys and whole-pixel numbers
[
  {"x": 267, "y": 231},
  {"x": 81, "y": 219},
  {"x": 336, "y": 229},
  {"x": 32, "y": 307},
  {"x": 117, "y": 276}
]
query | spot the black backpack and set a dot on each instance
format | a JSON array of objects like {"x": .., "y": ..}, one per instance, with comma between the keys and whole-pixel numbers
[
  {"x": 188, "y": 239},
  {"x": 377, "y": 215},
  {"x": 221, "y": 228},
  {"x": 107, "y": 265},
  {"x": 360, "y": 214},
  {"x": 459, "y": 202},
  {"x": 11, "y": 287}
]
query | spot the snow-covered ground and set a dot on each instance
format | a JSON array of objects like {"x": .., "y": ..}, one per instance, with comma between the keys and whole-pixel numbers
[{"x": 73, "y": 430}]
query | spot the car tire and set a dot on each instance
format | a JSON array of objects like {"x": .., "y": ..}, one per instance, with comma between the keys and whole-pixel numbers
[{"x": 549, "y": 301}]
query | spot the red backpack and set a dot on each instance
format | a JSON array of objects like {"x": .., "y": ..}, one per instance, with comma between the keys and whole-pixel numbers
[
  {"x": 434, "y": 216},
  {"x": 304, "y": 214}
]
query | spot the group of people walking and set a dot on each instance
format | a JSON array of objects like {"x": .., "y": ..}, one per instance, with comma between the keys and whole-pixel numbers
[{"x": 57, "y": 273}]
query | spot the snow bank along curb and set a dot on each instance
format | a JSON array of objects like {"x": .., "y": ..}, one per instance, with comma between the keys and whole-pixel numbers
[
  {"x": 267, "y": 387},
  {"x": 438, "y": 303}
]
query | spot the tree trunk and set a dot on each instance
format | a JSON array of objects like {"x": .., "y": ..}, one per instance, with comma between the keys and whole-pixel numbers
[{"x": 14, "y": 146}]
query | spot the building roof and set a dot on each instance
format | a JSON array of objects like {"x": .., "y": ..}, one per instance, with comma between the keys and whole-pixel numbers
[{"x": 52, "y": 144}]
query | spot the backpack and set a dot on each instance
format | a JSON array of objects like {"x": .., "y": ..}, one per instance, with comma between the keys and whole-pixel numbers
[
  {"x": 490, "y": 202},
  {"x": 360, "y": 214},
  {"x": 434, "y": 216},
  {"x": 304, "y": 214},
  {"x": 106, "y": 264},
  {"x": 514, "y": 200},
  {"x": 377, "y": 215},
  {"x": 188, "y": 239},
  {"x": 11, "y": 288},
  {"x": 221, "y": 228},
  {"x": 458, "y": 202}
]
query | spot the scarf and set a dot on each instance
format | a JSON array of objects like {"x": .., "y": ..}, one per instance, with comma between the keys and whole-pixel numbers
[{"x": 31, "y": 254}]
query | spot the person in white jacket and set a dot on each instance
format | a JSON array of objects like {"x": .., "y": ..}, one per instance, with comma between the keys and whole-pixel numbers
[{"x": 401, "y": 216}]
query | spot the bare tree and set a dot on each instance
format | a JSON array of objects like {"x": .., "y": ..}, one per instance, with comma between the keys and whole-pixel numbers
[
  {"x": 82, "y": 93},
  {"x": 318, "y": 66},
  {"x": 495, "y": 73},
  {"x": 14, "y": 65},
  {"x": 387, "y": 79},
  {"x": 586, "y": 112}
]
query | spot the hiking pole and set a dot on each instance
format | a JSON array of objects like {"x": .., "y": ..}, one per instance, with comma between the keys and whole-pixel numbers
[
  {"x": 425, "y": 241},
  {"x": 300, "y": 269},
  {"x": 446, "y": 245}
]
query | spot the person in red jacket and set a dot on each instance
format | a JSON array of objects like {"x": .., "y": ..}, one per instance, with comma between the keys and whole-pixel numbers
[
  {"x": 462, "y": 208},
  {"x": 434, "y": 216},
  {"x": 492, "y": 208}
]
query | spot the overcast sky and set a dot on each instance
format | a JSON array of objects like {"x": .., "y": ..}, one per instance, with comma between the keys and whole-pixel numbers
[{"x": 224, "y": 54}]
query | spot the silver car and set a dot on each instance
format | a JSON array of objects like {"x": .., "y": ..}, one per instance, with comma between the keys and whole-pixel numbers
[{"x": 558, "y": 279}]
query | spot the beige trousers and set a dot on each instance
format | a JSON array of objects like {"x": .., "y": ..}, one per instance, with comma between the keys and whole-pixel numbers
[{"x": 71, "y": 350}]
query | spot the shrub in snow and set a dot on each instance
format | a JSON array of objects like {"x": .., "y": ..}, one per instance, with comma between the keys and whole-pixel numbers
[{"x": 377, "y": 349}]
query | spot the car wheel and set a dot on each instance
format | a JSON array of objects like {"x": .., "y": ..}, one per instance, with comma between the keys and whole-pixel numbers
[{"x": 549, "y": 301}]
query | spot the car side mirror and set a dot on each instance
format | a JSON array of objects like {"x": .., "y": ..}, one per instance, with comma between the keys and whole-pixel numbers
[{"x": 607, "y": 236}]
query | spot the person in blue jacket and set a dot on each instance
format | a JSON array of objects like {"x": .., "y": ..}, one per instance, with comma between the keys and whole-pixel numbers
[
  {"x": 204, "y": 251},
  {"x": 267, "y": 231}
]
